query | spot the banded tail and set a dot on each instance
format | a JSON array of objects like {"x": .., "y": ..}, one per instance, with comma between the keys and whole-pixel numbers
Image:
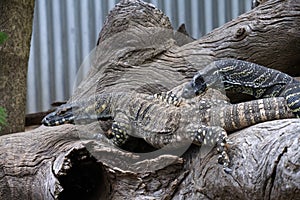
[{"x": 242, "y": 115}]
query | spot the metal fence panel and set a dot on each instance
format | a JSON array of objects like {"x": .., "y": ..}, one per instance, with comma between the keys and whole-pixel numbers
[{"x": 65, "y": 31}]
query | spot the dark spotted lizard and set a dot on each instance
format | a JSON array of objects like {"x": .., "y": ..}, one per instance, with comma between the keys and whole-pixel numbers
[
  {"x": 240, "y": 76},
  {"x": 163, "y": 119}
]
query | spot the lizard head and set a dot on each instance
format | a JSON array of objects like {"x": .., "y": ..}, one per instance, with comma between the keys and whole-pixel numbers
[
  {"x": 81, "y": 112},
  {"x": 195, "y": 87},
  {"x": 62, "y": 115}
]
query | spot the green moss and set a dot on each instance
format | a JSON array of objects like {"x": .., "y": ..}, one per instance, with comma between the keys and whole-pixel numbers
[
  {"x": 3, "y": 116},
  {"x": 3, "y": 37}
]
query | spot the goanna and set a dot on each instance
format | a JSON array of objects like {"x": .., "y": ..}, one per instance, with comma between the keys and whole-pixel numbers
[
  {"x": 164, "y": 120},
  {"x": 240, "y": 76}
]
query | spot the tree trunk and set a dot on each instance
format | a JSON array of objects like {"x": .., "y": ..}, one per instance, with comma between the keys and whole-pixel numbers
[
  {"x": 16, "y": 21},
  {"x": 66, "y": 162}
]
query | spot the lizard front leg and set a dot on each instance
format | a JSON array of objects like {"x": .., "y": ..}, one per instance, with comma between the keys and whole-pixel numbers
[
  {"x": 213, "y": 136},
  {"x": 199, "y": 135},
  {"x": 168, "y": 97},
  {"x": 119, "y": 133},
  {"x": 120, "y": 130}
]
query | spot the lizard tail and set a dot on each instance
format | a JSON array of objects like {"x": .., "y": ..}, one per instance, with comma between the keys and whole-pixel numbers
[{"x": 245, "y": 114}]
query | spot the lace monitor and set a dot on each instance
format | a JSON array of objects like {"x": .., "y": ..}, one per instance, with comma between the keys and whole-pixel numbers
[
  {"x": 163, "y": 119},
  {"x": 240, "y": 76}
]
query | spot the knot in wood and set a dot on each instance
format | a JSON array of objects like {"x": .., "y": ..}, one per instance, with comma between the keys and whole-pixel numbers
[{"x": 240, "y": 33}]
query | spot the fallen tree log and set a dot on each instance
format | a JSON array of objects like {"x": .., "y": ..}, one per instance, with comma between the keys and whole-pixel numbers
[{"x": 66, "y": 162}]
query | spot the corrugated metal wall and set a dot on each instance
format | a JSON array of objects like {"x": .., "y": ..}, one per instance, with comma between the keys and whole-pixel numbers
[{"x": 65, "y": 31}]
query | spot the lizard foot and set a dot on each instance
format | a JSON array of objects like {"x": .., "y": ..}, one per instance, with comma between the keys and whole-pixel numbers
[{"x": 222, "y": 148}]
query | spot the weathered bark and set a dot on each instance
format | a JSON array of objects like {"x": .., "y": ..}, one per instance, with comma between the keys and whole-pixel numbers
[
  {"x": 16, "y": 21},
  {"x": 66, "y": 161},
  {"x": 267, "y": 35}
]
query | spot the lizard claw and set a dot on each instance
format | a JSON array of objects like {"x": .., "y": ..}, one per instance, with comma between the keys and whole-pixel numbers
[{"x": 227, "y": 170}]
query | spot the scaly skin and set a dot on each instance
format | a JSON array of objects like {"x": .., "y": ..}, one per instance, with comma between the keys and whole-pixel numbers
[
  {"x": 244, "y": 77},
  {"x": 163, "y": 119}
]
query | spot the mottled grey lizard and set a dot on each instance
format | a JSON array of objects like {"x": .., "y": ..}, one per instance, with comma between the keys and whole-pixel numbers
[{"x": 162, "y": 119}]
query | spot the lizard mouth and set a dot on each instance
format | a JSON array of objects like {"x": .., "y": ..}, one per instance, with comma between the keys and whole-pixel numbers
[
  {"x": 194, "y": 88},
  {"x": 188, "y": 91}
]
